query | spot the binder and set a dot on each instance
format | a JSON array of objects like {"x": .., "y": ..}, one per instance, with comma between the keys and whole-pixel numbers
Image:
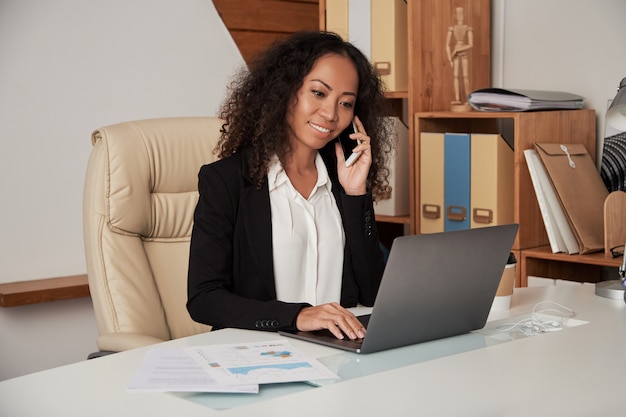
[
  {"x": 398, "y": 202},
  {"x": 337, "y": 17},
  {"x": 580, "y": 189},
  {"x": 360, "y": 25},
  {"x": 431, "y": 165},
  {"x": 491, "y": 183},
  {"x": 390, "y": 42},
  {"x": 456, "y": 181}
]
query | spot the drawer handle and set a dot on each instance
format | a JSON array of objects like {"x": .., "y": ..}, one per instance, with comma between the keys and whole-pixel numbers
[
  {"x": 382, "y": 67},
  {"x": 457, "y": 213},
  {"x": 482, "y": 215},
  {"x": 431, "y": 211}
]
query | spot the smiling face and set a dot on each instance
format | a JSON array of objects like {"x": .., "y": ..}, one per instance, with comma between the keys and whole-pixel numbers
[{"x": 324, "y": 105}]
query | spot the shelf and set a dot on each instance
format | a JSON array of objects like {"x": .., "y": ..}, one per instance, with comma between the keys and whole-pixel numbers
[
  {"x": 430, "y": 83},
  {"x": 521, "y": 130},
  {"x": 397, "y": 94},
  {"x": 597, "y": 258},
  {"x": 468, "y": 114},
  {"x": 430, "y": 87},
  {"x": 541, "y": 262},
  {"x": 15, "y": 294},
  {"x": 393, "y": 219}
]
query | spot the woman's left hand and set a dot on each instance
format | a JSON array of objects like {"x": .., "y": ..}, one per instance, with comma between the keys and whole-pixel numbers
[{"x": 353, "y": 179}]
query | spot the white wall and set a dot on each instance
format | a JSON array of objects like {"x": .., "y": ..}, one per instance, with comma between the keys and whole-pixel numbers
[
  {"x": 42, "y": 336},
  {"x": 68, "y": 67},
  {"x": 565, "y": 45}
]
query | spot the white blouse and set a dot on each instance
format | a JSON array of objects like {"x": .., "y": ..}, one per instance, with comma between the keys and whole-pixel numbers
[{"x": 307, "y": 237}]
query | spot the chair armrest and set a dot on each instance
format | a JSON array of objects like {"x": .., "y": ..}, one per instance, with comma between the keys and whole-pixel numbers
[{"x": 99, "y": 354}]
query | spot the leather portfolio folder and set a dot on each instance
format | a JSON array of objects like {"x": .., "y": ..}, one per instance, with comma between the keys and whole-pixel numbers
[{"x": 580, "y": 189}]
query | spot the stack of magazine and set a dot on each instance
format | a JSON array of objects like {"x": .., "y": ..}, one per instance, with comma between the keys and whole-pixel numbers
[{"x": 499, "y": 99}]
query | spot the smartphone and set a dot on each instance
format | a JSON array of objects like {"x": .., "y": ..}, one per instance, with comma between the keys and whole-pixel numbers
[{"x": 348, "y": 144}]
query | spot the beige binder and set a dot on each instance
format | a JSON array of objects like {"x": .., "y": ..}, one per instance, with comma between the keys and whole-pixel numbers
[
  {"x": 491, "y": 182},
  {"x": 390, "y": 43},
  {"x": 398, "y": 202},
  {"x": 431, "y": 182},
  {"x": 337, "y": 17}
]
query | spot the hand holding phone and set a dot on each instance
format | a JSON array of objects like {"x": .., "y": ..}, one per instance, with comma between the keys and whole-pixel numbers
[{"x": 348, "y": 144}]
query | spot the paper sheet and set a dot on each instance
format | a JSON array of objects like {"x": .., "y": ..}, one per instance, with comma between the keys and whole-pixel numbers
[
  {"x": 174, "y": 370},
  {"x": 258, "y": 363}
]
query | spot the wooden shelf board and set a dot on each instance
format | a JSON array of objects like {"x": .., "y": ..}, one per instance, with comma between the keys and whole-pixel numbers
[
  {"x": 597, "y": 258},
  {"x": 541, "y": 262},
  {"x": 397, "y": 94},
  {"x": 43, "y": 290},
  {"x": 393, "y": 219}
]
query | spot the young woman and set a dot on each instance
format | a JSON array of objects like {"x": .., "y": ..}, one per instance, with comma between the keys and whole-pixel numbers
[{"x": 284, "y": 233}]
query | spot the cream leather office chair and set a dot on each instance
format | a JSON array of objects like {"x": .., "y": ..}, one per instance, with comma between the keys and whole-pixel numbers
[{"x": 139, "y": 198}]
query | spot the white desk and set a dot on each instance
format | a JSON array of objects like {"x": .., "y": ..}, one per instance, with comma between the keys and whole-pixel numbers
[{"x": 578, "y": 371}]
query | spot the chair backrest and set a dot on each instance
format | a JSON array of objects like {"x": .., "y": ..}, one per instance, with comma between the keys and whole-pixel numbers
[{"x": 141, "y": 190}]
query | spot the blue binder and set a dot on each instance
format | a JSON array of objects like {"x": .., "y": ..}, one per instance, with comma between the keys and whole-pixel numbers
[{"x": 457, "y": 181}]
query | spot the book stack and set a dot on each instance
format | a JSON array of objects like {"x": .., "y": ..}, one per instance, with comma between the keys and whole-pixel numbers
[{"x": 571, "y": 196}]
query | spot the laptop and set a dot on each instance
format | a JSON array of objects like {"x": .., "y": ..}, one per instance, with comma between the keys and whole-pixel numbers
[{"x": 434, "y": 286}]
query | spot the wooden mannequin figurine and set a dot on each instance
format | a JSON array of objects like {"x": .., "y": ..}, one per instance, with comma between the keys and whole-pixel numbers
[{"x": 459, "y": 41}]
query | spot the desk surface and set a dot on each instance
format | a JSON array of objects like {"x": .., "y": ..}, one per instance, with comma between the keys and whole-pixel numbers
[{"x": 577, "y": 371}]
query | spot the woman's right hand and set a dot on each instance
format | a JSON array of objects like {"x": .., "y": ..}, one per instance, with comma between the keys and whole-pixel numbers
[
  {"x": 353, "y": 179},
  {"x": 333, "y": 317}
]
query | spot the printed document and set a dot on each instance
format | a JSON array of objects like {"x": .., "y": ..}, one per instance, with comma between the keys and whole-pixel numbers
[
  {"x": 173, "y": 370},
  {"x": 258, "y": 363}
]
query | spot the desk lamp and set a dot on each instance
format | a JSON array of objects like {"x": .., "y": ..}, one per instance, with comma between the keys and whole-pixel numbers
[
  {"x": 616, "y": 118},
  {"x": 616, "y": 114}
]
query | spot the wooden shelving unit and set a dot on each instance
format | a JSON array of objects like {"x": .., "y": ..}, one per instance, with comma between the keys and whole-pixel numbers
[
  {"x": 522, "y": 130},
  {"x": 429, "y": 83},
  {"x": 428, "y": 91}
]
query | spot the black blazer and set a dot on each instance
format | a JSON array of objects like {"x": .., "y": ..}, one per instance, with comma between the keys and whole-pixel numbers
[{"x": 231, "y": 268}]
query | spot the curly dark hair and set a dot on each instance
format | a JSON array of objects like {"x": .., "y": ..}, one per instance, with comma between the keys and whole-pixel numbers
[{"x": 255, "y": 111}]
